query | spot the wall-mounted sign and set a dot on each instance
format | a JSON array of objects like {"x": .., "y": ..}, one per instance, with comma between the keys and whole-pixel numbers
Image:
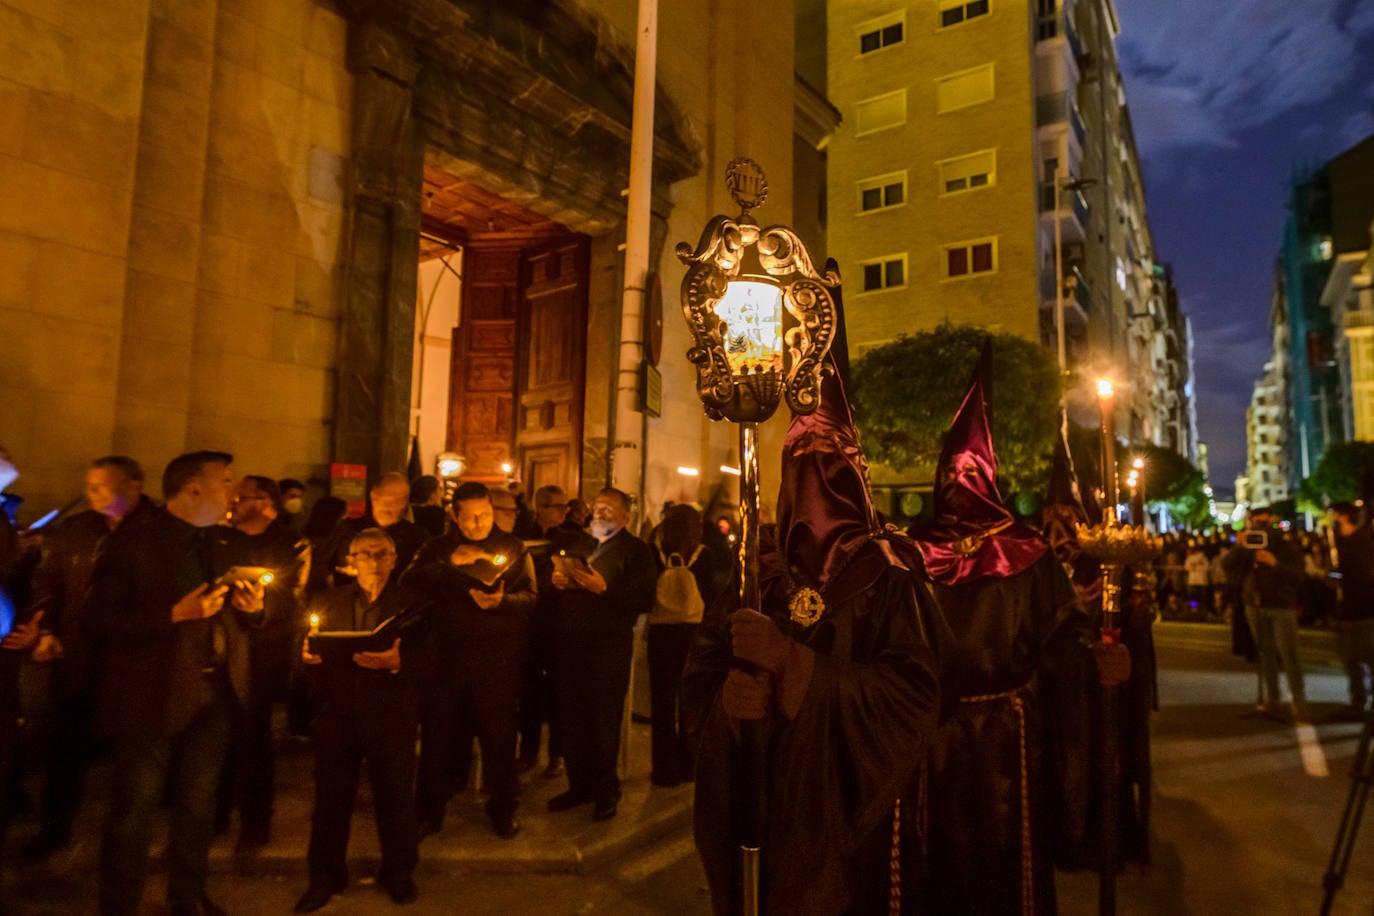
[
  {"x": 349, "y": 483},
  {"x": 651, "y": 390}
]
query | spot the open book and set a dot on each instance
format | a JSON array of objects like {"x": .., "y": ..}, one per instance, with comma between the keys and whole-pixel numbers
[{"x": 341, "y": 644}]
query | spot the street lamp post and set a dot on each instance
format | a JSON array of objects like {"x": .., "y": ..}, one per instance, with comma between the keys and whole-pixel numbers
[{"x": 761, "y": 319}]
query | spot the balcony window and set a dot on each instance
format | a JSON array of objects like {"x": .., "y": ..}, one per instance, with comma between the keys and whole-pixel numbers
[
  {"x": 876, "y": 34},
  {"x": 968, "y": 258},
  {"x": 953, "y": 12},
  {"x": 884, "y": 273},
  {"x": 960, "y": 90},
  {"x": 882, "y": 192},
  {"x": 966, "y": 173},
  {"x": 880, "y": 112}
]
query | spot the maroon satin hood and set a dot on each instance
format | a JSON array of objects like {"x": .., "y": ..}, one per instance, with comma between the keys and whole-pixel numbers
[
  {"x": 825, "y": 513},
  {"x": 973, "y": 535}
]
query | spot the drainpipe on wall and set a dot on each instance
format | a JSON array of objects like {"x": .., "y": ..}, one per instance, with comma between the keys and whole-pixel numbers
[{"x": 636, "y": 271}]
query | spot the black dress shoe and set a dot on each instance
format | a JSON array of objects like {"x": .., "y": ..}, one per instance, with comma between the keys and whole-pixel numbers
[
  {"x": 316, "y": 896},
  {"x": 505, "y": 826},
  {"x": 401, "y": 890},
  {"x": 605, "y": 809},
  {"x": 568, "y": 800}
]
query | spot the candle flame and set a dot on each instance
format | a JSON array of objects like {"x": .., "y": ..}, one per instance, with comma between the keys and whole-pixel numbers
[
  {"x": 1104, "y": 388},
  {"x": 498, "y": 559}
]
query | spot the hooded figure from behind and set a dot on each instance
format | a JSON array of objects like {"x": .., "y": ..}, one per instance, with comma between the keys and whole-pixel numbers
[
  {"x": 1014, "y": 650},
  {"x": 848, "y": 714}
]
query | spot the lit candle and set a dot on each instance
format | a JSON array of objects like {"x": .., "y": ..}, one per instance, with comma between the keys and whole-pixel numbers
[{"x": 314, "y": 624}]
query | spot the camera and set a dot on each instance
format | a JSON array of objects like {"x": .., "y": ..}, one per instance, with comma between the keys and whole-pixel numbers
[{"x": 1254, "y": 540}]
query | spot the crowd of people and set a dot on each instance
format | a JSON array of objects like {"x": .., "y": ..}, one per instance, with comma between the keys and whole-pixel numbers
[{"x": 169, "y": 631}]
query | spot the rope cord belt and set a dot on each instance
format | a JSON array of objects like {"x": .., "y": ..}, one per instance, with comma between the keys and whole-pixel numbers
[
  {"x": 1027, "y": 877},
  {"x": 894, "y": 896}
]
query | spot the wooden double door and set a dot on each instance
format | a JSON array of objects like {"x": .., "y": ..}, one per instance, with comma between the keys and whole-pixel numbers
[{"x": 518, "y": 375}]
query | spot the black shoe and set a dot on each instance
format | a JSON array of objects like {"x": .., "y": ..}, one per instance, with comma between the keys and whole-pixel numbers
[
  {"x": 505, "y": 826},
  {"x": 316, "y": 896},
  {"x": 40, "y": 847},
  {"x": 568, "y": 800},
  {"x": 204, "y": 907},
  {"x": 605, "y": 809},
  {"x": 252, "y": 837},
  {"x": 401, "y": 890}
]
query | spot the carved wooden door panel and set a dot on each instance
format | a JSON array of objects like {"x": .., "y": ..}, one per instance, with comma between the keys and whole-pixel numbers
[
  {"x": 482, "y": 375},
  {"x": 550, "y": 382}
]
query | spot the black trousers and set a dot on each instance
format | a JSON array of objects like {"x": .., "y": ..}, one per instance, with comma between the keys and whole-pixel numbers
[
  {"x": 472, "y": 696},
  {"x": 593, "y": 668},
  {"x": 70, "y": 748},
  {"x": 538, "y": 701},
  {"x": 668, "y": 647},
  {"x": 249, "y": 778},
  {"x": 379, "y": 730}
]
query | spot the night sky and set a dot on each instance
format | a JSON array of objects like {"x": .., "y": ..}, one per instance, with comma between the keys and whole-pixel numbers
[{"x": 1226, "y": 98}]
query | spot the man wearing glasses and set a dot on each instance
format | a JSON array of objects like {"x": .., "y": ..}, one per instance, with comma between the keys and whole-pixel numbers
[{"x": 368, "y": 710}]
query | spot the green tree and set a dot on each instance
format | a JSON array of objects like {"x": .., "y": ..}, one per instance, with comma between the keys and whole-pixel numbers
[
  {"x": 1172, "y": 480},
  {"x": 906, "y": 392},
  {"x": 1345, "y": 474}
]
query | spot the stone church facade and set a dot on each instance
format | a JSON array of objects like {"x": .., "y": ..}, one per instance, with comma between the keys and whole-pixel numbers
[{"x": 213, "y": 217}]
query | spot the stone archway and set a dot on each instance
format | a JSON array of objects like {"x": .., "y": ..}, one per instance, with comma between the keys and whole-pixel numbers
[{"x": 529, "y": 100}]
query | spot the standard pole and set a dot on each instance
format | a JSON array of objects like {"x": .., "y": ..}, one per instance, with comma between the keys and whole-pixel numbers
[
  {"x": 1111, "y": 702},
  {"x": 754, "y": 791}
]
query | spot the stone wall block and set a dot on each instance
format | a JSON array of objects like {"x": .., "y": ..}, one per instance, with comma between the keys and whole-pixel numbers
[
  {"x": 115, "y": 22},
  {"x": 79, "y": 285},
  {"x": 304, "y": 340},
  {"x": 329, "y": 125},
  {"x": 270, "y": 273},
  {"x": 239, "y": 211},
  {"x": 174, "y": 122},
  {"x": 282, "y": 58},
  {"x": 327, "y": 34},
  {"x": 163, "y": 244},
  {"x": 16, "y": 406},
  {"x": 150, "y": 432},
  {"x": 159, "y": 310},
  {"x": 177, "y": 58},
  {"x": 246, "y": 154},
  {"x": 46, "y": 203},
  {"x": 34, "y": 52},
  {"x": 78, "y": 137},
  {"x": 319, "y": 232},
  {"x": 19, "y": 255},
  {"x": 324, "y": 78},
  {"x": 14, "y": 103},
  {"x": 318, "y": 288},
  {"x": 195, "y": 17},
  {"x": 233, "y": 325},
  {"x": 17, "y": 369},
  {"x": 176, "y": 190},
  {"x": 155, "y": 374},
  {"x": 74, "y": 357},
  {"x": 221, "y": 264},
  {"x": 109, "y": 79},
  {"x": 237, "y": 40}
]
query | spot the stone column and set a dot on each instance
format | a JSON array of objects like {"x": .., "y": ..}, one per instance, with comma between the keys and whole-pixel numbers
[{"x": 372, "y": 407}]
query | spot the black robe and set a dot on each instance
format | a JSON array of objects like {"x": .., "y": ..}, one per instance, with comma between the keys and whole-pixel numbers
[
  {"x": 1016, "y": 668},
  {"x": 836, "y": 770}
]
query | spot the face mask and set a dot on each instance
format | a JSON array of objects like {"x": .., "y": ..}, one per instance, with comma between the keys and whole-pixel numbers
[
  {"x": 293, "y": 504},
  {"x": 601, "y": 528}
]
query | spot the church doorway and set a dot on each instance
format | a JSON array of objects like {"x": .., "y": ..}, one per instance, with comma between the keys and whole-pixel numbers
[{"x": 501, "y": 318}]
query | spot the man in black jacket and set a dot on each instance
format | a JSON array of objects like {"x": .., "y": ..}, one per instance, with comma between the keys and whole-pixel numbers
[
  {"x": 114, "y": 490},
  {"x": 250, "y": 771},
  {"x": 482, "y": 584},
  {"x": 594, "y": 625},
  {"x": 1270, "y": 567},
  {"x": 177, "y": 663},
  {"x": 387, "y": 500},
  {"x": 1355, "y": 616},
  {"x": 368, "y": 711}
]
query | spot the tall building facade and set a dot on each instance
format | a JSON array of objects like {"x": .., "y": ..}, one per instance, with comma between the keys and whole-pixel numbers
[
  {"x": 984, "y": 173},
  {"x": 1347, "y": 292},
  {"x": 1266, "y": 471}
]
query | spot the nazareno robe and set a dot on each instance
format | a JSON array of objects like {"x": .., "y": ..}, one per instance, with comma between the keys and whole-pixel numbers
[
  {"x": 836, "y": 771},
  {"x": 1010, "y": 767}
]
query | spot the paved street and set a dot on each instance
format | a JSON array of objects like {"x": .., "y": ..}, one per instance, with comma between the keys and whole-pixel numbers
[{"x": 1245, "y": 816}]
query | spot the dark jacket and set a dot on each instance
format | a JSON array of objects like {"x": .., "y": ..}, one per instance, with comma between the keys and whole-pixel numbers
[
  {"x": 457, "y": 622},
  {"x": 1356, "y": 555},
  {"x": 627, "y": 564},
  {"x": 405, "y": 534},
  {"x": 1274, "y": 586},
  {"x": 59, "y": 590},
  {"x": 154, "y": 672},
  {"x": 341, "y": 685}
]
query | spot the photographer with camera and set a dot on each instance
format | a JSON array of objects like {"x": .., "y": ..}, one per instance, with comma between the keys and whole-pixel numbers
[{"x": 1269, "y": 566}]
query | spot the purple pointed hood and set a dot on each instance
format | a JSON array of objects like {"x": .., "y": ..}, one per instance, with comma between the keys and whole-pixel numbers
[{"x": 973, "y": 535}]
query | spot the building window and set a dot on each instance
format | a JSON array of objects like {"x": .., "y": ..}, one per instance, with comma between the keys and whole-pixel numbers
[
  {"x": 876, "y": 34},
  {"x": 965, "y": 259},
  {"x": 960, "y": 90},
  {"x": 953, "y": 12},
  {"x": 965, "y": 173},
  {"x": 884, "y": 273},
  {"x": 881, "y": 112},
  {"x": 882, "y": 192}
]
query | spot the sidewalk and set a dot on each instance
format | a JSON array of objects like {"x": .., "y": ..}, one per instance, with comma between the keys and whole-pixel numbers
[{"x": 566, "y": 842}]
